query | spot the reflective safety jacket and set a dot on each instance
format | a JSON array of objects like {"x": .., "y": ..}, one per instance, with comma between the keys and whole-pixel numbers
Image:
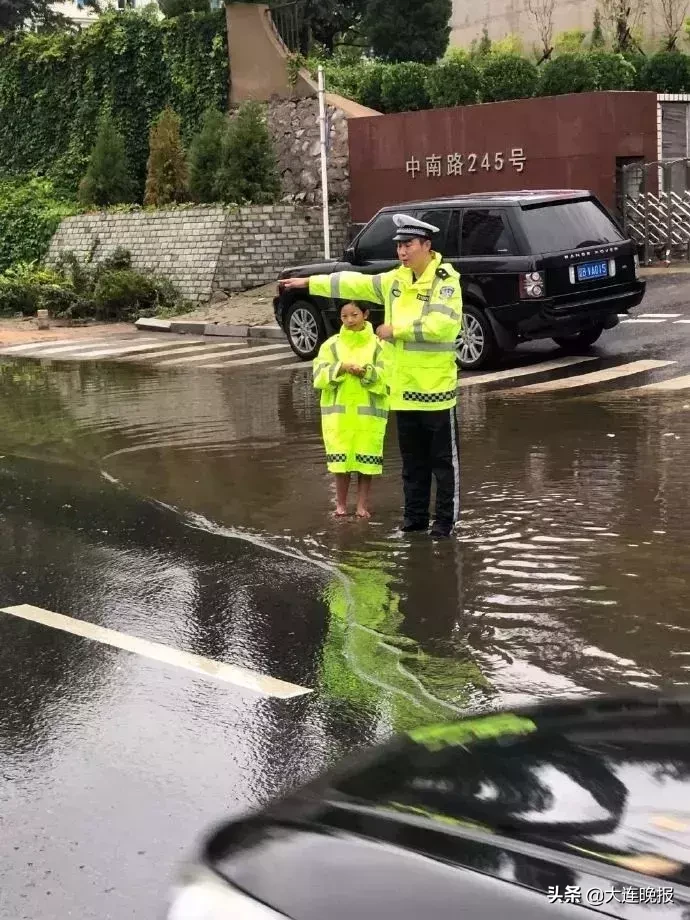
[
  {"x": 354, "y": 410},
  {"x": 426, "y": 316}
]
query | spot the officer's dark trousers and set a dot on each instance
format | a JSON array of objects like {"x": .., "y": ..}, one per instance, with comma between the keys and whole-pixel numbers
[{"x": 429, "y": 447}]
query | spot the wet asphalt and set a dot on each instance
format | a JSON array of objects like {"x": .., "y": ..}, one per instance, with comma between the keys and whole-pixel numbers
[{"x": 190, "y": 508}]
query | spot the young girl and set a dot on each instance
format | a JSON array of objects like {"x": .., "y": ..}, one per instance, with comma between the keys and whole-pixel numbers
[{"x": 350, "y": 373}]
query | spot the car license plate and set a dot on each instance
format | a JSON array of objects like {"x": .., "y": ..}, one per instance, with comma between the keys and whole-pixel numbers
[{"x": 590, "y": 271}]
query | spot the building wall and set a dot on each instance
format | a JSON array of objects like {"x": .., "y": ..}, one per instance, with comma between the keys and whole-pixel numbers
[
  {"x": 559, "y": 142},
  {"x": 202, "y": 249},
  {"x": 506, "y": 17}
]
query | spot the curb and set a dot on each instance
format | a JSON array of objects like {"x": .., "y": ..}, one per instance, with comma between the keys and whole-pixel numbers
[{"x": 211, "y": 329}]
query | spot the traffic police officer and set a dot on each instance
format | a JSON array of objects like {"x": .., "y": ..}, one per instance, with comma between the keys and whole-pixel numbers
[{"x": 423, "y": 315}]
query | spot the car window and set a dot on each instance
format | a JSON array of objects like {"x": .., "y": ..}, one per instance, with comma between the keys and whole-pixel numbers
[
  {"x": 568, "y": 225},
  {"x": 485, "y": 233},
  {"x": 441, "y": 218},
  {"x": 376, "y": 242}
]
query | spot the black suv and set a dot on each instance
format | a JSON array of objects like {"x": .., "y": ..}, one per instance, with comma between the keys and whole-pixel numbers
[{"x": 534, "y": 265}]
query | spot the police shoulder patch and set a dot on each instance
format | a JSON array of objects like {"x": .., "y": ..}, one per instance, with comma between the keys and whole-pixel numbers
[{"x": 447, "y": 291}]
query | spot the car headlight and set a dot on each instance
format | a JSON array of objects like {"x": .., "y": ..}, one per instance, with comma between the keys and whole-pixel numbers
[{"x": 205, "y": 896}]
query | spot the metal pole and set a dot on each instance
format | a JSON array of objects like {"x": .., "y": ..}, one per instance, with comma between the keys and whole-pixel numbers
[
  {"x": 324, "y": 166},
  {"x": 645, "y": 192},
  {"x": 669, "y": 204}
]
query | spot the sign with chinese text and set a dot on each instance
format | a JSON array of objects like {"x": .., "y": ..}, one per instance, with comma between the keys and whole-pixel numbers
[{"x": 459, "y": 164}]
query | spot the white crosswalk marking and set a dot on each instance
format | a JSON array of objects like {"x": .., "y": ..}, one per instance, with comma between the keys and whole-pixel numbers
[
  {"x": 636, "y": 320},
  {"x": 183, "y": 348},
  {"x": 682, "y": 322},
  {"x": 675, "y": 383},
  {"x": 121, "y": 350},
  {"x": 529, "y": 371},
  {"x": 611, "y": 373},
  {"x": 296, "y": 365},
  {"x": 10, "y": 349},
  {"x": 221, "y": 354},
  {"x": 659, "y": 315},
  {"x": 261, "y": 359},
  {"x": 76, "y": 349}
]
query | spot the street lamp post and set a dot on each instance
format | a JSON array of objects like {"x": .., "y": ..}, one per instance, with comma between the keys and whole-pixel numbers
[{"x": 324, "y": 165}]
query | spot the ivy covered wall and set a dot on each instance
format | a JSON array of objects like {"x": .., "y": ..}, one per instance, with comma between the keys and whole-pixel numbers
[{"x": 54, "y": 86}]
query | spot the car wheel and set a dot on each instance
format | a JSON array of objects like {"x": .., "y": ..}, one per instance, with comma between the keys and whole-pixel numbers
[
  {"x": 579, "y": 340},
  {"x": 476, "y": 345},
  {"x": 305, "y": 329}
]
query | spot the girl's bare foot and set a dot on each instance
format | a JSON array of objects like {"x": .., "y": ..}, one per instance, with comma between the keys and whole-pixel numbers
[
  {"x": 340, "y": 511},
  {"x": 363, "y": 513}
]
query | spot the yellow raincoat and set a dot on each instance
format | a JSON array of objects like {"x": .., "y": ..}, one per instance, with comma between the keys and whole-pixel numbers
[{"x": 354, "y": 410}]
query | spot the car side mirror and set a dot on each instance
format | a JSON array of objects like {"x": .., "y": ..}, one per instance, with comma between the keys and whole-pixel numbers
[{"x": 351, "y": 255}]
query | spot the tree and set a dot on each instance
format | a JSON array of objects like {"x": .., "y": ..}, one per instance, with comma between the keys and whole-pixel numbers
[
  {"x": 248, "y": 172},
  {"x": 673, "y": 13},
  {"x": 598, "y": 39},
  {"x": 107, "y": 180},
  {"x": 666, "y": 72},
  {"x": 332, "y": 23},
  {"x": 570, "y": 40},
  {"x": 408, "y": 30},
  {"x": 15, "y": 14},
  {"x": 542, "y": 13},
  {"x": 205, "y": 156},
  {"x": 167, "y": 173},
  {"x": 623, "y": 17},
  {"x": 509, "y": 44},
  {"x": 453, "y": 82},
  {"x": 172, "y": 8},
  {"x": 508, "y": 76}
]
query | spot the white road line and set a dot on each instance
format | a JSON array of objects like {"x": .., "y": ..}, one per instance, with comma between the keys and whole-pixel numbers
[
  {"x": 74, "y": 348},
  {"x": 255, "y": 350},
  {"x": 642, "y": 321},
  {"x": 265, "y": 359},
  {"x": 682, "y": 322},
  {"x": 297, "y": 365},
  {"x": 12, "y": 348},
  {"x": 184, "y": 348},
  {"x": 611, "y": 373},
  {"x": 658, "y": 315},
  {"x": 523, "y": 371},
  {"x": 231, "y": 674},
  {"x": 123, "y": 350},
  {"x": 675, "y": 383}
]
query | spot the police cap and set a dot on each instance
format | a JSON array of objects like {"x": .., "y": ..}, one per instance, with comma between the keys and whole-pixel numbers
[{"x": 409, "y": 228}]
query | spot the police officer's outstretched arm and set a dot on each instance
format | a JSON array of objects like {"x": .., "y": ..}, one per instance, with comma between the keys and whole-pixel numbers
[{"x": 345, "y": 286}]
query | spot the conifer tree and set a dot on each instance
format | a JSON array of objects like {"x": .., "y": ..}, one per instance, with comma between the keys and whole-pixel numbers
[
  {"x": 107, "y": 180},
  {"x": 205, "y": 156},
  {"x": 248, "y": 171},
  {"x": 167, "y": 174}
]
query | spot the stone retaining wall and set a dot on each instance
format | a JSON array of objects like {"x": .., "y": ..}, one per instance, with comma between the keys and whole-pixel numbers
[
  {"x": 206, "y": 248},
  {"x": 294, "y": 128}
]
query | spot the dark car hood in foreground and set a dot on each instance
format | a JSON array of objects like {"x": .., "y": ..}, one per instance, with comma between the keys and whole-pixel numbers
[{"x": 579, "y": 796}]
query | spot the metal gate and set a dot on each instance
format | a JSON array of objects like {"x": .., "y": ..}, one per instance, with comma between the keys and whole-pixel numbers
[
  {"x": 656, "y": 207},
  {"x": 288, "y": 20}
]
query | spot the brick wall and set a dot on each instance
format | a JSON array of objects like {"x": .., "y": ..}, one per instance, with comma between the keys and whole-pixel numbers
[
  {"x": 204, "y": 248},
  {"x": 260, "y": 241}
]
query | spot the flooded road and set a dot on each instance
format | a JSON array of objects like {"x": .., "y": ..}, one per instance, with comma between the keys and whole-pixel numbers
[{"x": 191, "y": 508}]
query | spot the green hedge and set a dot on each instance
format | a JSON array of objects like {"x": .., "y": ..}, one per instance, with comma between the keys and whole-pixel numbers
[
  {"x": 30, "y": 213},
  {"x": 107, "y": 290},
  {"x": 53, "y": 88},
  {"x": 465, "y": 79}
]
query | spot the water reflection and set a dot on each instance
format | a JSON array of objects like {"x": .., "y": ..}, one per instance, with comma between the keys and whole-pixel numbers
[{"x": 570, "y": 575}]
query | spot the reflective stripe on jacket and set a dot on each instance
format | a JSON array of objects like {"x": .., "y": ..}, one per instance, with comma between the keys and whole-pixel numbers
[
  {"x": 426, "y": 316},
  {"x": 354, "y": 410}
]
